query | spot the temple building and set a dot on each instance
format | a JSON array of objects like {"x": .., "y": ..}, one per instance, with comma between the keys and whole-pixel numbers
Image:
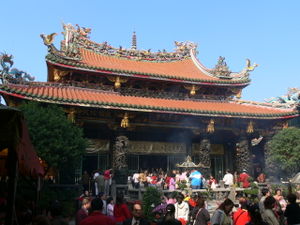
[{"x": 142, "y": 109}]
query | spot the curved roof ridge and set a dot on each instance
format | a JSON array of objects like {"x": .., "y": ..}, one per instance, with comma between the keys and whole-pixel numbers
[
  {"x": 181, "y": 52},
  {"x": 242, "y": 75},
  {"x": 199, "y": 65},
  {"x": 134, "y": 58},
  {"x": 279, "y": 106}
]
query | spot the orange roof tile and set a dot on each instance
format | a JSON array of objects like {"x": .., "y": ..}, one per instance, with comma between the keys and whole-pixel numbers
[
  {"x": 184, "y": 69},
  {"x": 181, "y": 68},
  {"x": 95, "y": 98}
]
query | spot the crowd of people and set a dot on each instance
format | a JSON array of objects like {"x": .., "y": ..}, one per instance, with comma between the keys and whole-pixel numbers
[
  {"x": 180, "y": 208},
  {"x": 98, "y": 207},
  {"x": 175, "y": 179},
  {"x": 101, "y": 181}
]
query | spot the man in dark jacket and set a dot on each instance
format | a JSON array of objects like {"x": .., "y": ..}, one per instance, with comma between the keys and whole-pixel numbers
[
  {"x": 96, "y": 217},
  {"x": 292, "y": 211},
  {"x": 137, "y": 218}
]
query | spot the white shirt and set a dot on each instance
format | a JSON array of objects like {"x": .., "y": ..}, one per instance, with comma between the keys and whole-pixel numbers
[
  {"x": 104, "y": 207},
  {"x": 182, "y": 210},
  {"x": 228, "y": 179},
  {"x": 96, "y": 175},
  {"x": 136, "y": 177},
  {"x": 134, "y": 221},
  {"x": 110, "y": 209}
]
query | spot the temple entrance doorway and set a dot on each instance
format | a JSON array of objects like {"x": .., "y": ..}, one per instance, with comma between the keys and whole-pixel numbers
[
  {"x": 153, "y": 162},
  {"x": 92, "y": 162},
  {"x": 217, "y": 167}
]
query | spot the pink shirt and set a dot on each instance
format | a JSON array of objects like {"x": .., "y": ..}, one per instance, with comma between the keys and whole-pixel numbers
[{"x": 172, "y": 184}]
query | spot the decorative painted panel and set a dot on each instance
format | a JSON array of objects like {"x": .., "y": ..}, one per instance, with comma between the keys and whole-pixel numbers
[
  {"x": 95, "y": 145},
  {"x": 145, "y": 147}
]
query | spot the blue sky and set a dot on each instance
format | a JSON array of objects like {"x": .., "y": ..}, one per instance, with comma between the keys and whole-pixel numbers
[{"x": 265, "y": 31}]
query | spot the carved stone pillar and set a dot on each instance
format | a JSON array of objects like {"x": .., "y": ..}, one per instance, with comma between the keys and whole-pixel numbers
[
  {"x": 120, "y": 150},
  {"x": 270, "y": 167},
  {"x": 243, "y": 157},
  {"x": 204, "y": 156},
  {"x": 188, "y": 143}
]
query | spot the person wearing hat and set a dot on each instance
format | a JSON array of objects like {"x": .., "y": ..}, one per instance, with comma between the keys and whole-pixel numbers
[{"x": 244, "y": 179}]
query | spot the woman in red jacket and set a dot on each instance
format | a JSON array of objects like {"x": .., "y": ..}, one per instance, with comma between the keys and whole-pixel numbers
[{"x": 121, "y": 211}]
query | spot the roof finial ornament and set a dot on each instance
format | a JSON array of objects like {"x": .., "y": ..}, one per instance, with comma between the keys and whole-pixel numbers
[
  {"x": 48, "y": 41},
  {"x": 133, "y": 44},
  {"x": 248, "y": 68},
  {"x": 221, "y": 69}
]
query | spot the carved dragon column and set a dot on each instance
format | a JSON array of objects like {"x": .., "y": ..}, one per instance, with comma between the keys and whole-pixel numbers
[
  {"x": 243, "y": 155},
  {"x": 120, "y": 167},
  {"x": 204, "y": 156}
]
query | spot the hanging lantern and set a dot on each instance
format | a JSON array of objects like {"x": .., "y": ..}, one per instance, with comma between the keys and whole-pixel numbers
[
  {"x": 71, "y": 115},
  {"x": 211, "y": 126},
  {"x": 250, "y": 127},
  {"x": 125, "y": 121},
  {"x": 193, "y": 90},
  {"x": 117, "y": 83}
]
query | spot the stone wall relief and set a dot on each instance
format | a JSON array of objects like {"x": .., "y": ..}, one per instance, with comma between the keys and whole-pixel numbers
[
  {"x": 119, "y": 152},
  {"x": 243, "y": 156}
]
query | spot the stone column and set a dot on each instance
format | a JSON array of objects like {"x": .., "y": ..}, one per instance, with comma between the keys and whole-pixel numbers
[
  {"x": 243, "y": 156},
  {"x": 270, "y": 167},
  {"x": 204, "y": 156},
  {"x": 188, "y": 143},
  {"x": 120, "y": 167}
]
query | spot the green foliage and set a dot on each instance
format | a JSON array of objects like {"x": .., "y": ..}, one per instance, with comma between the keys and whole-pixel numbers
[
  {"x": 206, "y": 194},
  {"x": 252, "y": 191},
  {"x": 65, "y": 195},
  {"x": 251, "y": 179},
  {"x": 56, "y": 140},
  {"x": 181, "y": 184},
  {"x": 284, "y": 153},
  {"x": 151, "y": 199},
  {"x": 252, "y": 194}
]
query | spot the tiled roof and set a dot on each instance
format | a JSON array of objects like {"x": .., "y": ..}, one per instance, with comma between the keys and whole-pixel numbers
[
  {"x": 84, "y": 97},
  {"x": 184, "y": 70}
]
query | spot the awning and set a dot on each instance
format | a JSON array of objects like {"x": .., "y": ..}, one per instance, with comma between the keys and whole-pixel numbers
[{"x": 14, "y": 136}]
